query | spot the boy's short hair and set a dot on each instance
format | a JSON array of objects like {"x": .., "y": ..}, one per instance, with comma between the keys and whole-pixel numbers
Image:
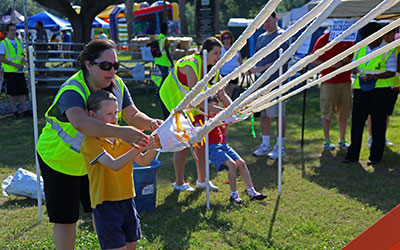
[{"x": 95, "y": 99}]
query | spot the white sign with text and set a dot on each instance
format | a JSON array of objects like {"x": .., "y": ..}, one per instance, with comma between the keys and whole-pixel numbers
[{"x": 339, "y": 26}]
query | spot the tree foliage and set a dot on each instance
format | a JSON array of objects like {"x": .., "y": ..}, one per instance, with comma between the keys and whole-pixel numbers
[
  {"x": 82, "y": 22},
  {"x": 31, "y": 9}
]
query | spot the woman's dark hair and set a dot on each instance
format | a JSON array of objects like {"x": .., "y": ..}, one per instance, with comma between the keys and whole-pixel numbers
[
  {"x": 95, "y": 99},
  {"x": 224, "y": 33},
  {"x": 8, "y": 25},
  {"x": 209, "y": 43},
  {"x": 93, "y": 50}
]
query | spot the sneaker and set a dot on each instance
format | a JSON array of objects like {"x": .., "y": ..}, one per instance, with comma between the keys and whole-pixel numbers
[
  {"x": 235, "y": 199},
  {"x": 274, "y": 153},
  {"x": 258, "y": 197},
  {"x": 262, "y": 150},
  {"x": 203, "y": 185},
  {"x": 369, "y": 143},
  {"x": 184, "y": 187},
  {"x": 388, "y": 143},
  {"x": 16, "y": 115},
  {"x": 342, "y": 144},
  {"x": 328, "y": 145}
]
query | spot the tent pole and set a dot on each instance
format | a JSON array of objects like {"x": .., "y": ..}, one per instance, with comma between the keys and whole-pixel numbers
[{"x": 206, "y": 149}]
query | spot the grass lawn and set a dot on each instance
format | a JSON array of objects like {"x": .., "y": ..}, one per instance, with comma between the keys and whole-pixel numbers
[{"x": 324, "y": 203}]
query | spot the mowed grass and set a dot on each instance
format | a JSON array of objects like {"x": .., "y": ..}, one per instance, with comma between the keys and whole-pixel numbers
[{"x": 324, "y": 203}]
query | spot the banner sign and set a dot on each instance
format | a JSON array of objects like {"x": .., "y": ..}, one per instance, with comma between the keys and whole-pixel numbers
[{"x": 339, "y": 26}]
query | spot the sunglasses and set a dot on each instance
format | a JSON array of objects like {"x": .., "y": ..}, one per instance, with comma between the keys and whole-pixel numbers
[
  {"x": 226, "y": 38},
  {"x": 107, "y": 66}
]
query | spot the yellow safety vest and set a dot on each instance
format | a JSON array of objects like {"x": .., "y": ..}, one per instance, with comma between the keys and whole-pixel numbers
[
  {"x": 172, "y": 91},
  {"x": 163, "y": 59},
  {"x": 376, "y": 65},
  {"x": 12, "y": 55},
  {"x": 397, "y": 77},
  {"x": 59, "y": 145}
]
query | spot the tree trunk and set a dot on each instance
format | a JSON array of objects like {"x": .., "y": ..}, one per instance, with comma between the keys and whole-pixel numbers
[
  {"x": 182, "y": 17},
  {"x": 129, "y": 18},
  {"x": 165, "y": 14},
  {"x": 216, "y": 18}
]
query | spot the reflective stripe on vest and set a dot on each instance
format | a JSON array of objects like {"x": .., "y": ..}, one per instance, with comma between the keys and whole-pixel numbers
[
  {"x": 12, "y": 55},
  {"x": 59, "y": 144},
  {"x": 374, "y": 66},
  {"x": 163, "y": 59}
]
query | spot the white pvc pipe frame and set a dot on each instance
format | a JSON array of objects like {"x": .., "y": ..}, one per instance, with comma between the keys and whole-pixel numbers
[
  {"x": 348, "y": 67},
  {"x": 259, "y": 55},
  {"x": 382, "y": 7},
  {"x": 263, "y": 103},
  {"x": 272, "y": 46},
  {"x": 237, "y": 45},
  {"x": 305, "y": 61}
]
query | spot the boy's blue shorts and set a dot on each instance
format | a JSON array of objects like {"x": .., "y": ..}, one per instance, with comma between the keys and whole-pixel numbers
[
  {"x": 117, "y": 222},
  {"x": 220, "y": 153}
]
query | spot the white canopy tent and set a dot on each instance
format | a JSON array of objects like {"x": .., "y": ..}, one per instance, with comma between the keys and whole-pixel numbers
[{"x": 359, "y": 8}]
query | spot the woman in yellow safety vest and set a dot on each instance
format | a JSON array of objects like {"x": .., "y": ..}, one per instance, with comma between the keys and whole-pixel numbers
[
  {"x": 371, "y": 95},
  {"x": 184, "y": 76},
  {"x": 60, "y": 159}
]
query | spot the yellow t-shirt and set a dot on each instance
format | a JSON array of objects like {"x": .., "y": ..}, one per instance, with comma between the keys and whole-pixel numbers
[{"x": 106, "y": 184}]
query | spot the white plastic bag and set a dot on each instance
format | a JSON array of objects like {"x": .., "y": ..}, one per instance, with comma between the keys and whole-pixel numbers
[
  {"x": 168, "y": 134},
  {"x": 23, "y": 183}
]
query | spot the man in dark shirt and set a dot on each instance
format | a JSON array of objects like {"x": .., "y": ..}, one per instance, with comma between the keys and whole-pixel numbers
[{"x": 41, "y": 48}]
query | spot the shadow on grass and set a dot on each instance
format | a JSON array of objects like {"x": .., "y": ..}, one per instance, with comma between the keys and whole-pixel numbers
[
  {"x": 175, "y": 232},
  {"x": 18, "y": 203},
  {"x": 375, "y": 185}
]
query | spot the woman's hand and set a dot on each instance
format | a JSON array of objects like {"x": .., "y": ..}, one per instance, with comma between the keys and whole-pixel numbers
[
  {"x": 133, "y": 136},
  {"x": 369, "y": 77}
]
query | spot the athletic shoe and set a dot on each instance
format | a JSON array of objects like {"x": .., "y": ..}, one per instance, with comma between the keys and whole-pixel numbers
[
  {"x": 183, "y": 187},
  {"x": 203, "y": 185},
  {"x": 342, "y": 144},
  {"x": 388, "y": 143},
  {"x": 369, "y": 143},
  {"x": 328, "y": 145},
  {"x": 274, "y": 153},
  {"x": 258, "y": 196},
  {"x": 235, "y": 199},
  {"x": 261, "y": 150}
]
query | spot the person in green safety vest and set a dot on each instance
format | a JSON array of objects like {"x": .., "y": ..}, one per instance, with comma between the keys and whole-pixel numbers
[
  {"x": 388, "y": 38},
  {"x": 59, "y": 146},
  {"x": 164, "y": 62},
  {"x": 371, "y": 95},
  {"x": 186, "y": 73},
  {"x": 12, "y": 59}
]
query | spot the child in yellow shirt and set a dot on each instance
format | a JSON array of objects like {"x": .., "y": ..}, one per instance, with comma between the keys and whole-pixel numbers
[{"x": 109, "y": 165}]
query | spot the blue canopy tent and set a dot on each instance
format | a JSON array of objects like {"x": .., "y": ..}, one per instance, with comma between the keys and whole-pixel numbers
[
  {"x": 50, "y": 22},
  {"x": 54, "y": 23},
  {"x": 99, "y": 23}
]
